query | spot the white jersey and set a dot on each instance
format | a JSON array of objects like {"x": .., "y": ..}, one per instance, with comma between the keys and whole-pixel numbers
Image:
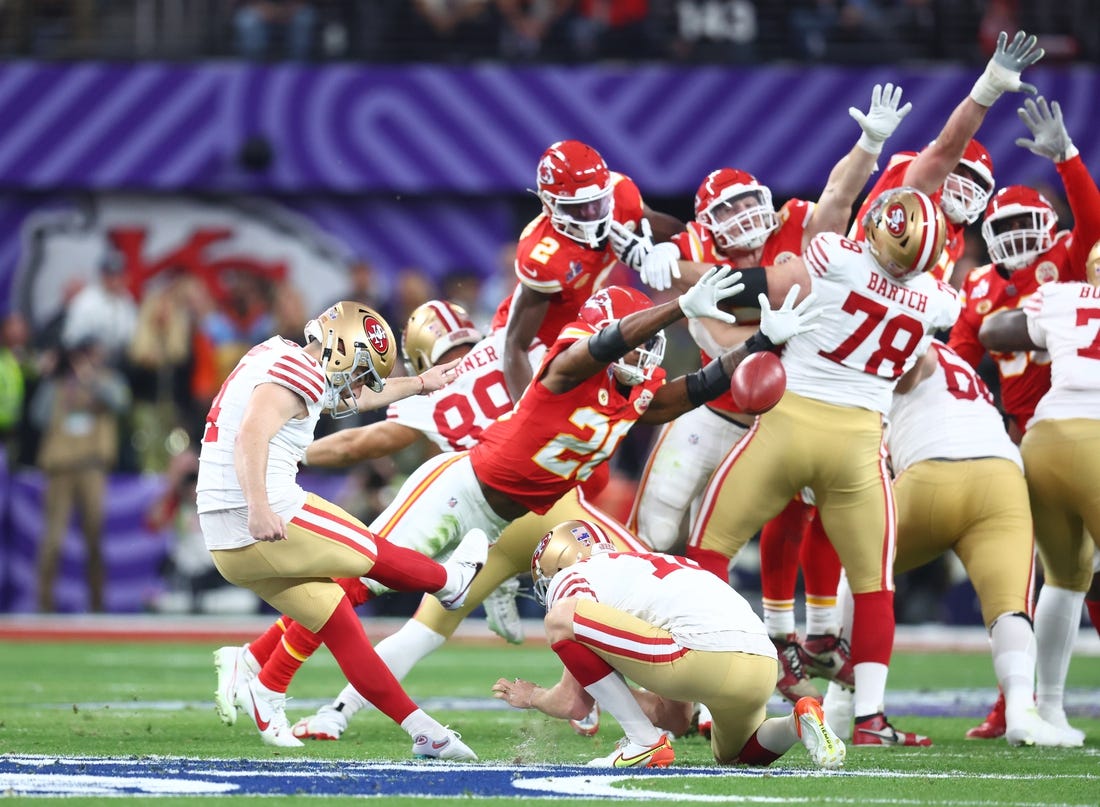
[
  {"x": 949, "y": 415},
  {"x": 873, "y": 329},
  {"x": 1064, "y": 319},
  {"x": 454, "y": 417},
  {"x": 699, "y": 610},
  {"x": 275, "y": 361}
]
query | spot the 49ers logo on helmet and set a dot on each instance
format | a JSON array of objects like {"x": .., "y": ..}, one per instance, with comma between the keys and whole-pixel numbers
[
  {"x": 894, "y": 219},
  {"x": 376, "y": 334}
]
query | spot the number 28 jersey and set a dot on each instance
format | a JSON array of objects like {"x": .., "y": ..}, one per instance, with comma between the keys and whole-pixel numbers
[{"x": 873, "y": 329}]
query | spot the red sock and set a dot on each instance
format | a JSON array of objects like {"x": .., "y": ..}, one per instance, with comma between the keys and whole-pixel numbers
[
  {"x": 289, "y": 655},
  {"x": 873, "y": 627},
  {"x": 582, "y": 663},
  {"x": 779, "y": 541},
  {"x": 819, "y": 560},
  {"x": 753, "y": 753},
  {"x": 714, "y": 562},
  {"x": 405, "y": 569},
  {"x": 344, "y": 636},
  {"x": 262, "y": 646},
  {"x": 1093, "y": 607}
]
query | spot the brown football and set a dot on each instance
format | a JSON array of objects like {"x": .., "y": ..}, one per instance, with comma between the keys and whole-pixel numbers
[{"x": 758, "y": 383}]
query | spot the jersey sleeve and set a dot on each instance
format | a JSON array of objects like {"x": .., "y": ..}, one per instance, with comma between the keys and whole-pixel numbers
[
  {"x": 629, "y": 206},
  {"x": 536, "y": 267},
  {"x": 297, "y": 375},
  {"x": 1033, "y": 315},
  {"x": 1084, "y": 202},
  {"x": 820, "y": 252},
  {"x": 569, "y": 583}
]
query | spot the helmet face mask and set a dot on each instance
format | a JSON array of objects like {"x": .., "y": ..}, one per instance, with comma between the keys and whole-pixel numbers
[
  {"x": 434, "y": 328},
  {"x": 736, "y": 209},
  {"x": 357, "y": 349},
  {"x": 611, "y": 304},
  {"x": 967, "y": 189},
  {"x": 1018, "y": 227},
  {"x": 905, "y": 231},
  {"x": 566, "y": 544},
  {"x": 575, "y": 188}
]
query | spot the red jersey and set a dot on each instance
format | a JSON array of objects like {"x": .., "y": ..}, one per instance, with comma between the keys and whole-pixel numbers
[
  {"x": 1025, "y": 375},
  {"x": 785, "y": 242},
  {"x": 550, "y": 443},
  {"x": 550, "y": 263},
  {"x": 894, "y": 177}
]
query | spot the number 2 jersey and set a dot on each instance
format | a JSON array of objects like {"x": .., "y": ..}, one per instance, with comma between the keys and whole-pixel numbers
[
  {"x": 276, "y": 361},
  {"x": 874, "y": 328},
  {"x": 700, "y": 611},
  {"x": 551, "y": 443}
]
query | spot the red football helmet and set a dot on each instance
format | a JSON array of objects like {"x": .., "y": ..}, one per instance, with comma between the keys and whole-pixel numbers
[
  {"x": 575, "y": 188},
  {"x": 736, "y": 209},
  {"x": 611, "y": 304},
  {"x": 965, "y": 199},
  {"x": 1019, "y": 226},
  {"x": 434, "y": 328}
]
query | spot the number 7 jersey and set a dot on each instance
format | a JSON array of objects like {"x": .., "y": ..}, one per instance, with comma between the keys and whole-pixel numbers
[{"x": 874, "y": 328}]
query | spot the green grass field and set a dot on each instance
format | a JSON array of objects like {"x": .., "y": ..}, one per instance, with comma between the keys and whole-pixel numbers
[{"x": 144, "y": 701}]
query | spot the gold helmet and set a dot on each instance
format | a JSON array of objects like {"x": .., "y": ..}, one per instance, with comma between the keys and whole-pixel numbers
[
  {"x": 566, "y": 544},
  {"x": 434, "y": 328},
  {"x": 1092, "y": 265},
  {"x": 357, "y": 347},
  {"x": 905, "y": 231}
]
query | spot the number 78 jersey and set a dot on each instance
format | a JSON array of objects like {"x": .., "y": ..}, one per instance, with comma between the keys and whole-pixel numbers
[{"x": 874, "y": 327}]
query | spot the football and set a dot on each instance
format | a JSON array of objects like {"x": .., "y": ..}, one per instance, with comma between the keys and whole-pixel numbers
[{"x": 758, "y": 383}]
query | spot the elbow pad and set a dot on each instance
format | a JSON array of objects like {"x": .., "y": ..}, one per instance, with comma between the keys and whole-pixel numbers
[{"x": 607, "y": 345}]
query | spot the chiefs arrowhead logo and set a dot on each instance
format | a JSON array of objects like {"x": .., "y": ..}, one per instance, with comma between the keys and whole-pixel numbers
[{"x": 376, "y": 334}]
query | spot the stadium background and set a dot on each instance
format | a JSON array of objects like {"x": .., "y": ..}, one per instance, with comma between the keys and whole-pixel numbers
[{"x": 137, "y": 137}]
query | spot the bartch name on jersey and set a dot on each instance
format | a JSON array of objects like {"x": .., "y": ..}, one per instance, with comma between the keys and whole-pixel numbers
[{"x": 895, "y": 293}]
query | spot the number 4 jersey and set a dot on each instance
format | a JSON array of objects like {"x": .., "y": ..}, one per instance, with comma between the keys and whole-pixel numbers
[{"x": 874, "y": 328}]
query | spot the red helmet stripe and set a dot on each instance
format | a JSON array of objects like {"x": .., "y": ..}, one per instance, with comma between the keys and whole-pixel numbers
[
  {"x": 445, "y": 314},
  {"x": 927, "y": 234}
]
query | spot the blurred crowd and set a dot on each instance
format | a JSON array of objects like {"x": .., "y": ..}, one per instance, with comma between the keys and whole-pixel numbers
[{"x": 741, "y": 31}]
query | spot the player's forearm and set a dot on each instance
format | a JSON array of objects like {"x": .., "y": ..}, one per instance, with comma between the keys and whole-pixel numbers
[
  {"x": 1005, "y": 332},
  {"x": 930, "y": 168},
  {"x": 250, "y": 453},
  {"x": 517, "y": 371},
  {"x": 846, "y": 181}
]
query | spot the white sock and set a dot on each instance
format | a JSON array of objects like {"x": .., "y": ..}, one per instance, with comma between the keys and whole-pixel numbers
[
  {"x": 614, "y": 696},
  {"x": 870, "y": 688},
  {"x": 419, "y": 722},
  {"x": 1057, "y": 617},
  {"x": 820, "y": 618},
  {"x": 1013, "y": 645},
  {"x": 400, "y": 652},
  {"x": 845, "y": 606},
  {"x": 779, "y": 617},
  {"x": 250, "y": 660},
  {"x": 778, "y": 734}
]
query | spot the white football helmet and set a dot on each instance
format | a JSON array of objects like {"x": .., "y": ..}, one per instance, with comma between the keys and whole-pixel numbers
[
  {"x": 357, "y": 348},
  {"x": 576, "y": 192},
  {"x": 566, "y": 544},
  {"x": 434, "y": 328},
  {"x": 963, "y": 199}
]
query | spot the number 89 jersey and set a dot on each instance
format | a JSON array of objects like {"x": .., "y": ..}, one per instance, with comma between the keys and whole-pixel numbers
[
  {"x": 874, "y": 327},
  {"x": 454, "y": 417}
]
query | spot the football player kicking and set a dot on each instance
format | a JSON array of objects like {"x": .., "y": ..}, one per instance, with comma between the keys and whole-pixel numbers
[
  {"x": 675, "y": 630},
  {"x": 266, "y": 534}
]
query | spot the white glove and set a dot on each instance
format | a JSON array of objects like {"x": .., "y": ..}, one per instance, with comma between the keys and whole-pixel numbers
[
  {"x": 881, "y": 119},
  {"x": 1051, "y": 139},
  {"x": 629, "y": 247},
  {"x": 1002, "y": 74},
  {"x": 661, "y": 265},
  {"x": 789, "y": 319},
  {"x": 702, "y": 299}
]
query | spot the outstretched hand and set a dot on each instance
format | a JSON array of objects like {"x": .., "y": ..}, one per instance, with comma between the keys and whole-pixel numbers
[
  {"x": 630, "y": 247},
  {"x": 883, "y": 117},
  {"x": 1002, "y": 73},
  {"x": 701, "y": 300},
  {"x": 789, "y": 320},
  {"x": 1049, "y": 137}
]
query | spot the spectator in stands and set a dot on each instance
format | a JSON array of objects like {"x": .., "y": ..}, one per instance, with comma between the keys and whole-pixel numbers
[
  {"x": 103, "y": 310},
  {"x": 77, "y": 410},
  {"x": 258, "y": 24},
  {"x": 535, "y": 29},
  {"x": 242, "y": 319},
  {"x": 445, "y": 30}
]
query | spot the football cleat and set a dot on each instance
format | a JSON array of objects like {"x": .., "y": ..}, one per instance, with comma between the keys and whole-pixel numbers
[
  {"x": 839, "y": 707},
  {"x": 876, "y": 730},
  {"x": 1030, "y": 729},
  {"x": 232, "y": 664},
  {"x": 994, "y": 724},
  {"x": 636, "y": 755},
  {"x": 704, "y": 722},
  {"x": 828, "y": 656},
  {"x": 1057, "y": 718},
  {"x": 793, "y": 683},
  {"x": 446, "y": 746},
  {"x": 588, "y": 725},
  {"x": 826, "y": 749},
  {"x": 327, "y": 724},
  {"x": 501, "y": 613},
  {"x": 268, "y": 711},
  {"x": 462, "y": 567}
]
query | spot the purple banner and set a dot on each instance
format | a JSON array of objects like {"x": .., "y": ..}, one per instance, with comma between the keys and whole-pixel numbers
[{"x": 477, "y": 130}]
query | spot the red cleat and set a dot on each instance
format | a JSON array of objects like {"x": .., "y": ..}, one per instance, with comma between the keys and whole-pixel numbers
[
  {"x": 793, "y": 683},
  {"x": 993, "y": 727},
  {"x": 876, "y": 730}
]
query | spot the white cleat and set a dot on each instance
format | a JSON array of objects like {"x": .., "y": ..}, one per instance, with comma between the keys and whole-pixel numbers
[
  {"x": 233, "y": 669},
  {"x": 636, "y": 755},
  {"x": 328, "y": 724},
  {"x": 446, "y": 746},
  {"x": 1057, "y": 718},
  {"x": 501, "y": 613},
  {"x": 268, "y": 711},
  {"x": 462, "y": 567},
  {"x": 826, "y": 749},
  {"x": 1029, "y": 728}
]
